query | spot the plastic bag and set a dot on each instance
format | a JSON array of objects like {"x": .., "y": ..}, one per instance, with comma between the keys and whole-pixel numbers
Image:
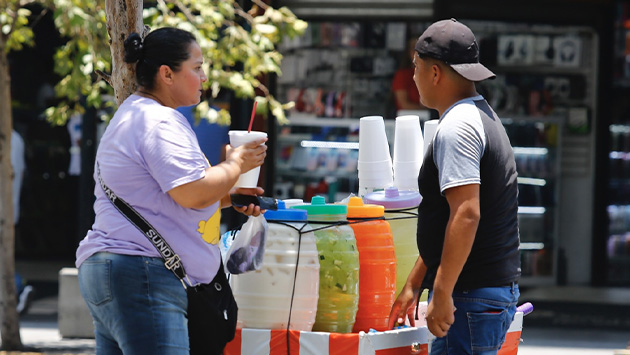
[{"x": 242, "y": 250}]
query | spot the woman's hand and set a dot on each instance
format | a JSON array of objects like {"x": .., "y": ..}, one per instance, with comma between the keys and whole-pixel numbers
[
  {"x": 251, "y": 210},
  {"x": 248, "y": 156}
]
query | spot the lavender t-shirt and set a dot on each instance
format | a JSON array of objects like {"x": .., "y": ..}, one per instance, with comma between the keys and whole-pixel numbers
[{"x": 147, "y": 150}]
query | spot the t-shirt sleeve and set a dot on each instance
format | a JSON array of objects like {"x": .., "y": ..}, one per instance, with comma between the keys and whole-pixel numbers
[
  {"x": 458, "y": 148},
  {"x": 172, "y": 154}
]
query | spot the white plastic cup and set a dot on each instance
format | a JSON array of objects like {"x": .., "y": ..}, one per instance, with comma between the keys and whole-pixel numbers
[
  {"x": 375, "y": 162},
  {"x": 378, "y": 173},
  {"x": 406, "y": 175},
  {"x": 238, "y": 138},
  {"x": 408, "y": 140},
  {"x": 373, "y": 145},
  {"x": 430, "y": 127},
  {"x": 408, "y": 152}
]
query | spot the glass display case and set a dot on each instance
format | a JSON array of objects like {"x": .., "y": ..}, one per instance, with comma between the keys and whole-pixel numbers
[
  {"x": 618, "y": 239},
  {"x": 618, "y": 197},
  {"x": 535, "y": 142}
]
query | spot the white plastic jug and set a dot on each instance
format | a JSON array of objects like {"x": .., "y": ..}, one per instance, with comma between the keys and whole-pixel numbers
[{"x": 264, "y": 297}]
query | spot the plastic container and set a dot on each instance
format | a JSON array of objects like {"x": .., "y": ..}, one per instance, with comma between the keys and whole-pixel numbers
[
  {"x": 339, "y": 267},
  {"x": 377, "y": 265},
  {"x": 264, "y": 296},
  {"x": 401, "y": 211}
]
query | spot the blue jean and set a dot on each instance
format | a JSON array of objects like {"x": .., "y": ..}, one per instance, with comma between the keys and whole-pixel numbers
[
  {"x": 138, "y": 306},
  {"x": 482, "y": 319}
]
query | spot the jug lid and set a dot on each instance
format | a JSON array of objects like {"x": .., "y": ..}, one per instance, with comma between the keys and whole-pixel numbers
[
  {"x": 356, "y": 209},
  {"x": 392, "y": 198},
  {"x": 319, "y": 206},
  {"x": 284, "y": 214}
]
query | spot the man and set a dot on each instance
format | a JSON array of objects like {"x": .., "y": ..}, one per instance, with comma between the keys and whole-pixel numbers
[
  {"x": 467, "y": 221},
  {"x": 25, "y": 292}
]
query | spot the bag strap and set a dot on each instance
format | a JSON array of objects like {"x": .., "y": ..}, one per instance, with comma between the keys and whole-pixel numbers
[{"x": 171, "y": 259}]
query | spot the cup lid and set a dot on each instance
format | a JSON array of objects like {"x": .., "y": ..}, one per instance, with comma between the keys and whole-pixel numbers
[
  {"x": 356, "y": 209},
  {"x": 318, "y": 206},
  {"x": 284, "y": 214},
  {"x": 392, "y": 198}
]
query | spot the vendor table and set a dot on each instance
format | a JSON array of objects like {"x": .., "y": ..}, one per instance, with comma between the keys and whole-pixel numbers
[{"x": 403, "y": 341}]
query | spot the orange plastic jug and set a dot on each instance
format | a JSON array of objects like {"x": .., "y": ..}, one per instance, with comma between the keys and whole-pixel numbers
[{"x": 377, "y": 265}]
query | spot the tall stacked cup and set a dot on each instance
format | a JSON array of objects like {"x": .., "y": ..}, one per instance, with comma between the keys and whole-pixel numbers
[
  {"x": 377, "y": 269},
  {"x": 375, "y": 162},
  {"x": 283, "y": 293},
  {"x": 430, "y": 127},
  {"x": 339, "y": 266},
  {"x": 408, "y": 152},
  {"x": 401, "y": 211}
]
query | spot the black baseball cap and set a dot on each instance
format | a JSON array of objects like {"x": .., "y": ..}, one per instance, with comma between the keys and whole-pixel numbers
[{"x": 454, "y": 43}]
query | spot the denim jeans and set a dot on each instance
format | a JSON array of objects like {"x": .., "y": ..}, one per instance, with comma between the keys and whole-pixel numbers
[
  {"x": 138, "y": 306},
  {"x": 482, "y": 319}
]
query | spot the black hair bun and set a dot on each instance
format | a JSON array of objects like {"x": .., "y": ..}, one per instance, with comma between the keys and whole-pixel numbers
[{"x": 133, "y": 48}]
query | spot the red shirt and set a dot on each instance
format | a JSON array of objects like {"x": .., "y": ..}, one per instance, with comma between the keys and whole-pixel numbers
[{"x": 403, "y": 80}]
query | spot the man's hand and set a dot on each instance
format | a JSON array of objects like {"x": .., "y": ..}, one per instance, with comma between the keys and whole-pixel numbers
[
  {"x": 403, "y": 308},
  {"x": 440, "y": 315}
]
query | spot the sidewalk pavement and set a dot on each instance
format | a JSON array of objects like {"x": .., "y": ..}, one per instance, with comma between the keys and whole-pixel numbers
[{"x": 40, "y": 332}]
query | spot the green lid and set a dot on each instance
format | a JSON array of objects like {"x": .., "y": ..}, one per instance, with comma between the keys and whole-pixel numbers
[{"x": 318, "y": 206}]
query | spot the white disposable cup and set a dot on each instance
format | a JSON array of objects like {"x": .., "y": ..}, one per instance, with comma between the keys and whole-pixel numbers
[
  {"x": 238, "y": 138},
  {"x": 408, "y": 141},
  {"x": 430, "y": 127},
  {"x": 373, "y": 145},
  {"x": 375, "y": 175},
  {"x": 406, "y": 175}
]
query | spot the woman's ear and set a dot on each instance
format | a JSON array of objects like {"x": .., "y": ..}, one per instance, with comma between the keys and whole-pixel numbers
[{"x": 165, "y": 73}]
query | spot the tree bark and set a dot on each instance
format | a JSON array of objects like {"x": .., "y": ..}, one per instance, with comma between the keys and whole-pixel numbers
[
  {"x": 10, "y": 328},
  {"x": 123, "y": 18}
]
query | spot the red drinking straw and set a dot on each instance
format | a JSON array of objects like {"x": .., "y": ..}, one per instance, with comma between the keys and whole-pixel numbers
[{"x": 251, "y": 120}]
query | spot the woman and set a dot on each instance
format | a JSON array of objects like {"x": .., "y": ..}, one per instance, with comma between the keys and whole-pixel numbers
[{"x": 150, "y": 157}]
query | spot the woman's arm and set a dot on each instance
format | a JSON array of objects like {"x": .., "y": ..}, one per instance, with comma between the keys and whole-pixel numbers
[{"x": 220, "y": 179}]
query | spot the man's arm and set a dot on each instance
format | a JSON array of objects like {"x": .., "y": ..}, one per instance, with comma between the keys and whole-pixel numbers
[
  {"x": 406, "y": 300},
  {"x": 458, "y": 240}
]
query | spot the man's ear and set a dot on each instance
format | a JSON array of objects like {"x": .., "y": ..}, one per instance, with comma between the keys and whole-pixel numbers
[{"x": 437, "y": 72}]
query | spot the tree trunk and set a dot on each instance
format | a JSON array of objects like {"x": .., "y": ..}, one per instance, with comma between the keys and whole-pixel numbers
[
  {"x": 10, "y": 328},
  {"x": 123, "y": 18}
]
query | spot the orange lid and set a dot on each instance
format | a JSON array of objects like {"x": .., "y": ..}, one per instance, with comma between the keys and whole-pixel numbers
[{"x": 356, "y": 209}]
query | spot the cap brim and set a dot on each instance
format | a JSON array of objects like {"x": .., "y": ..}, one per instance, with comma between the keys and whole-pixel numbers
[{"x": 473, "y": 71}]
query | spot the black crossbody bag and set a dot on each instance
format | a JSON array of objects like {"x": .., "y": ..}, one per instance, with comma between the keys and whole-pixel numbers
[{"x": 212, "y": 310}]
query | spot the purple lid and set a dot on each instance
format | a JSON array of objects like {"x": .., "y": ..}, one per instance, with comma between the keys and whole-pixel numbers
[{"x": 391, "y": 198}]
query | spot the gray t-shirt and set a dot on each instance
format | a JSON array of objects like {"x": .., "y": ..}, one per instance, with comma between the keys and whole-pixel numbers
[
  {"x": 458, "y": 146},
  {"x": 147, "y": 150}
]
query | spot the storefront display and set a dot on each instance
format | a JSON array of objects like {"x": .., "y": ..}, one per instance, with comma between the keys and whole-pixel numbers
[
  {"x": 544, "y": 92},
  {"x": 617, "y": 243}
]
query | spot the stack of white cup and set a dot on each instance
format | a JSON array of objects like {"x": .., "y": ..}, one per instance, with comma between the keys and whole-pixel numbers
[
  {"x": 430, "y": 127},
  {"x": 375, "y": 162},
  {"x": 408, "y": 152}
]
